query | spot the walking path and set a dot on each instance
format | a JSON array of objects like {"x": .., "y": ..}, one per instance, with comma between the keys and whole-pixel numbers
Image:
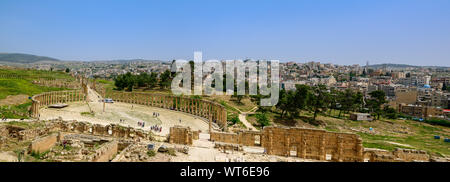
[{"x": 243, "y": 118}]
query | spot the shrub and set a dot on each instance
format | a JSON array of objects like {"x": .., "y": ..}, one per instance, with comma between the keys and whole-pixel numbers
[
  {"x": 151, "y": 153},
  {"x": 437, "y": 121},
  {"x": 234, "y": 119}
]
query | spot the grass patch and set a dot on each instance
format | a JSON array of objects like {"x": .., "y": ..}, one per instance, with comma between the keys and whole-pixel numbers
[
  {"x": 23, "y": 84},
  {"x": 172, "y": 152},
  {"x": 16, "y": 111},
  {"x": 26, "y": 125},
  {"x": 37, "y": 155},
  {"x": 90, "y": 114}
]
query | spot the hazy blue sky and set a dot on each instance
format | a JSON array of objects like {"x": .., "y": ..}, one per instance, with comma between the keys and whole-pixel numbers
[{"x": 338, "y": 31}]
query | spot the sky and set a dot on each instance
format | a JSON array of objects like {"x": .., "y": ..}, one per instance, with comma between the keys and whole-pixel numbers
[{"x": 415, "y": 32}]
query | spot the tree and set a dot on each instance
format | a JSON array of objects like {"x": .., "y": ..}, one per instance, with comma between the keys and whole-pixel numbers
[
  {"x": 333, "y": 100},
  {"x": 127, "y": 81},
  {"x": 119, "y": 82},
  {"x": 67, "y": 70},
  {"x": 234, "y": 119},
  {"x": 286, "y": 102},
  {"x": 319, "y": 99},
  {"x": 165, "y": 79},
  {"x": 390, "y": 113},
  {"x": 377, "y": 99},
  {"x": 346, "y": 101},
  {"x": 141, "y": 79},
  {"x": 262, "y": 119},
  {"x": 358, "y": 101},
  {"x": 302, "y": 95},
  {"x": 151, "y": 81}
]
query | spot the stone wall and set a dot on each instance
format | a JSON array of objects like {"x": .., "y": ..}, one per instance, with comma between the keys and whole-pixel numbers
[
  {"x": 299, "y": 142},
  {"x": 111, "y": 130},
  {"x": 398, "y": 155},
  {"x": 59, "y": 125},
  {"x": 409, "y": 155},
  {"x": 182, "y": 135},
  {"x": 106, "y": 152},
  {"x": 44, "y": 143},
  {"x": 212, "y": 111}
]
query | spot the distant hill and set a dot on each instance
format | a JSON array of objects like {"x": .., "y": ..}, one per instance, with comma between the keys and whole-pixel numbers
[
  {"x": 400, "y": 66},
  {"x": 23, "y": 58}
]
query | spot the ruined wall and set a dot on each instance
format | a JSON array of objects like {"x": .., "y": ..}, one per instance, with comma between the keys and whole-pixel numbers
[
  {"x": 312, "y": 144},
  {"x": 111, "y": 130},
  {"x": 224, "y": 137},
  {"x": 247, "y": 138},
  {"x": 182, "y": 135},
  {"x": 44, "y": 143},
  {"x": 411, "y": 155},
  {"x": 106, "y": 152},
  {"x": 212, "y": 111},
  {"x": 398, "y": 155},
  {"x": 2, "y": 141},
  {"x": 59, "y": 125},
  {"x": 303, "y": 143}
]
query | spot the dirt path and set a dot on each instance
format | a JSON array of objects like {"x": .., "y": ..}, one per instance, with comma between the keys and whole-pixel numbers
[{"x": 243, "y": 119}]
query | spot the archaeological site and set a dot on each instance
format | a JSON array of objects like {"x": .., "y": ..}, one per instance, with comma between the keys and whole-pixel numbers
[{"x": 87, "y": 129}]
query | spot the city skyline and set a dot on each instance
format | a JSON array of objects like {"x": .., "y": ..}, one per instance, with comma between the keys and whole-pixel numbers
[{"x": 344, "y": 32}]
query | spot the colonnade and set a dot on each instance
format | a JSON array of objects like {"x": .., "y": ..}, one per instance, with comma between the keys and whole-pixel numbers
[
  {"x": 212, "y": 111},
  {"x": 55, "y": 97}
]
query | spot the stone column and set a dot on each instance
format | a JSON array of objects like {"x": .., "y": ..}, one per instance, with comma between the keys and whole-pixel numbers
[
  {"x": 287, "y": 145},
  {"x": 269, "y": 146},
  {"x": 339, "y": 149},
  {"x": 210, "y": 124},
  {"x": 303, "y": 145},
  {"x": 359, "y": 150},
  {"x": 322, "y": 152}
]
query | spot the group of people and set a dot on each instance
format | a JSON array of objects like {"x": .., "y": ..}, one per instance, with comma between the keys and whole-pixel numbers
[
  {"x": 121, "y": 120},
  {"x": 3, "y": 118},
  {"x": 156, "y": 128},
  {"x": 155, "y": 114},
  {"x": 141, "y": 124}
]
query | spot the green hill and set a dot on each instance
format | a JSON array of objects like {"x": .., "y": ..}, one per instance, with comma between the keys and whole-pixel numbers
[{"x": 23, "y": 58}]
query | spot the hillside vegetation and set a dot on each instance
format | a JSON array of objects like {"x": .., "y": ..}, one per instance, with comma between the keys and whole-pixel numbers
[{"x": 19, "y": 82}]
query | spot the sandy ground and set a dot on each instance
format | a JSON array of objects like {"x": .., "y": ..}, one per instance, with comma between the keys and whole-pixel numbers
[
  {"x": 8, "y": 156},
  {"x": 131, "y": 114},
  {"x": 14, "y": 100}
]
